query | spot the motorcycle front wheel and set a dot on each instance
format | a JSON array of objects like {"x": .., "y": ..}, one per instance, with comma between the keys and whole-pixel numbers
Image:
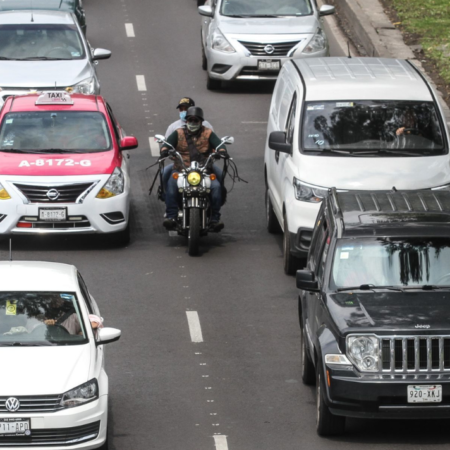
[{"x": 194, "y": 231}]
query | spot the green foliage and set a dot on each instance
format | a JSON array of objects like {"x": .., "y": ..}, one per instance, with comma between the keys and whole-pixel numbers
[{"x": 430, "y": 19}]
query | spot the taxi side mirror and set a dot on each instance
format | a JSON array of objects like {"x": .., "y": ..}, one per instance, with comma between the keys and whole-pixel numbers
[
  {"x": 101, "y": 53},
  {"x": 128, "y": 143},
  {"x": 306, "y": 281},
  {"x": 206, "y": 11},
  {"x": 277, "y": 142},
  {"x": 107, "y": 335},
  {"x": 326, "y": 10}
]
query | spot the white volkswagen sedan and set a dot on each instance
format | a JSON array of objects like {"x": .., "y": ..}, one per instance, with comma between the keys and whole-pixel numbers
[{"x": 53, "y": 385}]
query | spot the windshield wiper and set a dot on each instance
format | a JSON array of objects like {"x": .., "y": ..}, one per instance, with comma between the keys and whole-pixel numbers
[
  {"x": 25, "y": 344},
  {"x": 369, "y": 287},
  {"x": 5, "y": 58},
  {"x": 425, "y": 287},
  {"x": 398, "y": 152},
  {"x": 42, "y": 58}
]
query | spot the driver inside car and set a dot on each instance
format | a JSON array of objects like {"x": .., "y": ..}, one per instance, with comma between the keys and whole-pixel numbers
[{"x": 63, "y": 316}]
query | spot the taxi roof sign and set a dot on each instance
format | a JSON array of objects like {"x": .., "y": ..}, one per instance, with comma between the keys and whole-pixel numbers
[{"x": 54, "y": 98}]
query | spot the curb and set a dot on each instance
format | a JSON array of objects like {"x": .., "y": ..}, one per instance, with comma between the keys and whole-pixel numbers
[{"x": 379, "y": 37}]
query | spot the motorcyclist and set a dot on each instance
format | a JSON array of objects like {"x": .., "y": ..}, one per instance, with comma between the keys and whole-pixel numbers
[{"x": 195, "y": 142}]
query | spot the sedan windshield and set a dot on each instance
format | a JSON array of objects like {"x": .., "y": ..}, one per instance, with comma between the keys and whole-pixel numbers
[
  {"x": 265, "y": 8},
  {"x": 40, "y": 41},
  {"x": 391, "y": 262},
  {"x": 388, "y": 128},
  {"x": 54, "y": 132},
  {"x": 40, "y": 318}
]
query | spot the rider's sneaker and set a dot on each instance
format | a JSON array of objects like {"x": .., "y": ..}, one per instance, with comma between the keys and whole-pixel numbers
[
  {"x": 170, "y": 224},
  {"x": 215, "y": 226}
]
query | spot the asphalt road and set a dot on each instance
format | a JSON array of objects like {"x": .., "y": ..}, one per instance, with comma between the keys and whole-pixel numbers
[{"x": 240, "y": 388}]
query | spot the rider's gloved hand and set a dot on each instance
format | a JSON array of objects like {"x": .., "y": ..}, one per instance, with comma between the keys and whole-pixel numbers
[
  {"x": 164, "y": 153},
  {"x": 216, "y": 155},
  {"x": 224, "y": 154}
]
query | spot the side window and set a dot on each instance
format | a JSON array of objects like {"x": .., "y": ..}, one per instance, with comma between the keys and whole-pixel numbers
[
  {"x": 114, "y": 122},
  {"x": 323, "y": 258},
  {"x": 284, "y": 106},
  {"x": 277, "y": 95},
  {"x": 290, "y": 123},
  {"x": 85, "y": 293},
  {"x": 322, "y": 234}
]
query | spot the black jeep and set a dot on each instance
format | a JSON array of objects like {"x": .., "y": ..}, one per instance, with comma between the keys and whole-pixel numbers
[{"x": 374, "y": 307}]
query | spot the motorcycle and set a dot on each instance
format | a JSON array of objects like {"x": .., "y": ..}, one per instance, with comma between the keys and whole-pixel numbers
[{"x": 194, "y": 186}]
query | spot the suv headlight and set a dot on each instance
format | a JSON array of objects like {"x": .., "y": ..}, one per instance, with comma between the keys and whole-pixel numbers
[
  {"x": 85, "y": 393},
  {"x": 220, "y": 43},
  {"x": 114, "y": 186},
  {"x": 4, "y": 193},
  {"x": 86, "y": 86},
  {"x": 308, "y": 192},
  {"x": 317, "y": 43},
  {"x": 364, "y": 352}
]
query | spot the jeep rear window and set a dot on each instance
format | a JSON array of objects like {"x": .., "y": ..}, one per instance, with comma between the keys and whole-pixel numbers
[{"x": 367, "y": 128}]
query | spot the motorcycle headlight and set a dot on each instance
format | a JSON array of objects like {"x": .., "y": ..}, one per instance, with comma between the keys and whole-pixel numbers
[
  {"x": 317, "y": 43},
  {"x": 308, "y": 192},
  {"x": 194, "y": 178},
  {"x": 4, "y": 193},
  {"x": 220, "y": 43},
  {"x": 85, "y": 393},
  {"x": 364, "y": 352},
  {"x": 114, "y": 186},
  {"x": 86, "y": 86}
]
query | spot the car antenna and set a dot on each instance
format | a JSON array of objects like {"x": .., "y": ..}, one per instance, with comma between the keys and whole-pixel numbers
[
  {"x": 394, "y": 188},
  {"x": 10, "y": 249},
  {"x": 32, "y": 18},
  {"x": 348, "y": 48}
]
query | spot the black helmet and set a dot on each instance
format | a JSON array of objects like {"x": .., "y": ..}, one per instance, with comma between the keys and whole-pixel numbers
[{"x": 195, "y": 111}]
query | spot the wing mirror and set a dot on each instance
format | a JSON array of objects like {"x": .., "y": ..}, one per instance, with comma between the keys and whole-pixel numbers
[
  {"x": 228, "y": 140},
  {"x": 101, "y": 53},
  {"x": 206, "y": 11},
  {"x": 277, "y": 142},
  {"x": 128, "y": 143},
  {"x": 107, "y": 335},
  {"x": 160, "y": 138},
  {"x": 326, "y": 10},
  {"x": 306, "y": 280}
]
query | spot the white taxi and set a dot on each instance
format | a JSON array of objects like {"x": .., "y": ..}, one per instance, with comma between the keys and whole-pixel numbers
[
  {"x": 62, "y": 166},
  {"x": 53, "y": 385}
]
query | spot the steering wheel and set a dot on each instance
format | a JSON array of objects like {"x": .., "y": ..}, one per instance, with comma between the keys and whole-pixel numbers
[
  {"x": 59, "y": 51},
  {"x": 447, "y": 275},
  {"x": 413, "y": 131}
]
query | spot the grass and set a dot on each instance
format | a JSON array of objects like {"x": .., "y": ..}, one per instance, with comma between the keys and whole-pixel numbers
[{"x": 430, "y": 21}]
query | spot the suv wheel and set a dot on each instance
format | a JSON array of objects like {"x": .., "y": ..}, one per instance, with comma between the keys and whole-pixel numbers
[
  {"x": 204, "y": 61},
  {"x": 273, "y": 225},
  {"x": 327, "y": 424},
  {"x": 308, "y": 371},
  {"x": 213, "y": 85},
  {"x": 291, "y": 263}
]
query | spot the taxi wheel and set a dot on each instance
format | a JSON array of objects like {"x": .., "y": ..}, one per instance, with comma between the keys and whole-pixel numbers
[
  {"x": 122, "y": 238},
  {"x": 273, "y": 227},
  {"x": 308, "y": 370},
  {"x": 200, "y": 2},
  {"x": 213, "y": 85},
  {"x": 291, "y": 263},
  {"x": 105, "y": 446},
  {"x": 204, "y": 61}
]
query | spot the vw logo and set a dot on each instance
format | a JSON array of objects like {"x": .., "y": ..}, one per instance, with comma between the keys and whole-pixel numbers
[
  {"x": 269, "y": 49},
  {"x": 53, "y": 194},
  {"x": 12, "y": 404}
]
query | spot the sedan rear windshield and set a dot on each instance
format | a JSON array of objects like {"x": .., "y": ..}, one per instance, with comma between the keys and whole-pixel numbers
[
  {"x": 40, "y": 319},
  {"x": 40, "y": 42},
  {"x": 54, "y": 132},
  {"x": 387, "y": 128},
  {"x": 265, "y": 8}
]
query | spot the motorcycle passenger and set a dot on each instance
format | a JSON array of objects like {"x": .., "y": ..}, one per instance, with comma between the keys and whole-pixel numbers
[{"x": 195, "y": 142}]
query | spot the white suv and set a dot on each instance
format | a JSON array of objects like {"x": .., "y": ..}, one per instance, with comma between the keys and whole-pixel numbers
[{"x": 353, "y": 124}]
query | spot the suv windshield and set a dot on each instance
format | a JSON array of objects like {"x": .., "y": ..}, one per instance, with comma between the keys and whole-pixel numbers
[
  {"x": 54, "y": 131},
  {"x": 40, "y": 41},
  {"x": 265, "y": 8},
  {"x": 366, "y": 127},
  {"x": 40, "y": 318},
  {"x": 391, "y": 262}
]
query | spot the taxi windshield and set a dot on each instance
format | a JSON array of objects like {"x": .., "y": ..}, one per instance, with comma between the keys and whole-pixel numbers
[
  {"x": 40, "y": 318},
  {"x": 365, "y": 127},
  {"x": 54, "y": 131},
  {"x": 40, "y": 41},
  {"x": 265, "y": 8}
]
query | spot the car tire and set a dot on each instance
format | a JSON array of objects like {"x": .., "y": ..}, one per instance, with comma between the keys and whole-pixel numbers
[
  {"x": 291, "y": 263},
  {"x": 327, "y": 424},
  {"x": 122, "y": 238},
  {"x": 204, "y": 60},
  {"x": 273, "y": 226},
  {"x": 308, "y": 370},
  {"x": 213, "y": 85},
  {"x": 200, "y": 2}
]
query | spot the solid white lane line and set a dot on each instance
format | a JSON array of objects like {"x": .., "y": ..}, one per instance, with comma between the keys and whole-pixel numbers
[
  {"x": 221, "y": 442},
  {"x": 140, "y": 79},
  {"x": 154, "y": 146},
  {"x": 130, "y": 30},
  {"x": 194, "y": 326}
]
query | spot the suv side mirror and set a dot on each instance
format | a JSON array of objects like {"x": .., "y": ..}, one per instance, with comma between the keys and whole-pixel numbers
[
  {"x": 277, "y": 142},
  {"x": 107, "y": 335},
  {"x": 128, "y": 143},
  {"x": 326, "y": 10},
  {"x": 101, "y": 53},
  {"x": 306, "y": 280},
  {"x": 206, "y": 11}
]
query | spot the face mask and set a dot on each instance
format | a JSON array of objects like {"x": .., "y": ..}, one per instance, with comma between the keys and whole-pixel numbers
[
  {"x": 193, "y": 127},
  {"x": 183, "y": 115}
]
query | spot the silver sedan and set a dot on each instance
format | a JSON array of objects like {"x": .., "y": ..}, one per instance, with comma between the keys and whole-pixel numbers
[{"x": 250, "y": 40}]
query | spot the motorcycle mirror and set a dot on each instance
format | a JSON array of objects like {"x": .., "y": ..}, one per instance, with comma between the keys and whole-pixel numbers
[
  {"x": 228, "y": 140},
  {"x": 159, "y": 137}
]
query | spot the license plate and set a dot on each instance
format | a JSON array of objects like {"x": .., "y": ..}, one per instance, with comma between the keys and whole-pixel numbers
[
  {"x": 15, "y": 427},
  {"x": 52, "y": 214},
  {"x": 269, "y": 65},
  {"x": 425, "y": 394}
]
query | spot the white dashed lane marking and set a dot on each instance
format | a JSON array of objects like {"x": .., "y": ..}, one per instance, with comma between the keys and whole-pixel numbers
[
  {"x": 194, "y": 326},
  {"x": 154, "y": 146},
  {"x": 221, "y": 442},
  {"x": 130, "y": 30},
  {"x": 140, "y": 79}
]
